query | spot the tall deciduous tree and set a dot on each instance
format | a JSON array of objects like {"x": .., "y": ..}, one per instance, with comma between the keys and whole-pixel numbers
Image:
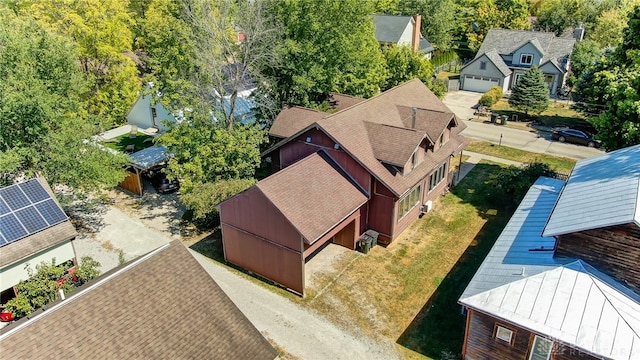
[
  {"x": 585, "y": 54},
  {"x": 531, "y": 93},
  {"x": 322, "y": 55},
  {"x": 43, "y": 124},
  {"x": 438, "y": 19},
  {"x": 403, "y": 65},
  {"x": 506, "y": 14},
  {"x": 614, "y": 83},
  {"x": 102, "y": 30}
]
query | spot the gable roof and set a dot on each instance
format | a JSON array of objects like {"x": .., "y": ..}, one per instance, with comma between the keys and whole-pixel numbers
[
  {"x": 506, "y": 42},
  {"x": 41, "y": 233},
  {"x": 574, "y": 304},
  {"x": 518, "y": 248},
  {"x": 293, "y": 119},
  {"x": 348, "y": 128},
  {"x": 314, "y": 194},
  {"x": 394, "y": 145},
  {"x": 144, "y": 309},
  {"x": 601, "y": 191},
  {"x": 389, "y": 28}
]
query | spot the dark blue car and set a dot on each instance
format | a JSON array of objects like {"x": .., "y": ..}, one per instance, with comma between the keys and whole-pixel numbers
[{"x": 576, "y": 137}]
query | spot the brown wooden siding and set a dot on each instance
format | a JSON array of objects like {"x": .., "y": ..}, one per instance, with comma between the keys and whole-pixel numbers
[
  {"x": 353, "y": 218},
  {"x": 132, "y": 182},
  {"x": 381, "y": 212},
  {"x": 252, "y": 212},
  {"x": 270, "y": 260},
  {"x": 481, "y": 344},
  {"x": 347, "y": 236},
  {"x": 614, "y": 250}
]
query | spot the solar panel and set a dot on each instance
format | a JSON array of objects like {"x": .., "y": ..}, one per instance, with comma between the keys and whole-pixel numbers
[
  {"x": 4, "y": 208},
  {"x": 34, "y": 190},
  {"x": 14, "y": 197},
  {"x": 11, "y": 228},
  {"x": 25, "y": 209},
  {"x": 51, "y": 211},
  {"x": 31, "y": 219}
]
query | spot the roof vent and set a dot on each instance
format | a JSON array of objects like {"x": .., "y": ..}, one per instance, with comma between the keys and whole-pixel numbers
[{"x": 336, "y": 146}]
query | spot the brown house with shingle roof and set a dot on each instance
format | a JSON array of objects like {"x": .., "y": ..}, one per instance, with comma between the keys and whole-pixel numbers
[
  {"x": 375, "y": 164},
  {"x": 145, "y": 309}
]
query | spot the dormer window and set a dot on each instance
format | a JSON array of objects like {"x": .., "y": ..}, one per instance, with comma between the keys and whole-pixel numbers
[
  {"x": 414, "y": 160},
  {"x": 441, "y": 140},
  {"x": 526, "y": 59}
]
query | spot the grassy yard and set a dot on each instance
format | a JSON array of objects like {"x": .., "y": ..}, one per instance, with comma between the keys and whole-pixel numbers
[
  {"x": 121, "y": 142},
  {"x": 444, "y": 75},
  {"x": 558, "y": 114},
  {"x": 557, "y": 163},
  {"x": 408, "y": 291}
]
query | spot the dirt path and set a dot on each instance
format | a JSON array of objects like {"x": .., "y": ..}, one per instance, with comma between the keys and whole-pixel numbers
[{"x": 300, "y": 331}]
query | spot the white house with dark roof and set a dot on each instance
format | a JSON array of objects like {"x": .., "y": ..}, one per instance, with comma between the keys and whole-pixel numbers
[
  {"x": 562, "y": 281},
  {"x": 402, "y": 31},
  {"x": 507, "y": 54}
]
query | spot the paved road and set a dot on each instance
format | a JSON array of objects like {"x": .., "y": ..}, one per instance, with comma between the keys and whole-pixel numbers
[{"x": 460, "y": 102}]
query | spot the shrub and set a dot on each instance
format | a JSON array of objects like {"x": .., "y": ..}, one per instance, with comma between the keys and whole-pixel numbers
[
  {"x": 515, "y": 181},
  {"x": 19, "y": 306},
  {"x": 491, "y": 97}
]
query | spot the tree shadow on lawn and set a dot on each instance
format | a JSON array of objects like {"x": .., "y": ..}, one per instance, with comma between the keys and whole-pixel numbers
[{"x": 438, "y": 328}]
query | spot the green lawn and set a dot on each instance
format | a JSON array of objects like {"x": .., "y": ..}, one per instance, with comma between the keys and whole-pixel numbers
[
  {"x": 121, "y": 142},
  {"x": 444, "y": 75},
  {"x": 558, "y": 114},
  {"x": 557, "y": 163}
]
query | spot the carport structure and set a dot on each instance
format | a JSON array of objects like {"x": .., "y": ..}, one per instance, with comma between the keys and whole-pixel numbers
[
  {"x": 271, "y": 232},
  {"x": 142, "y": 161}
]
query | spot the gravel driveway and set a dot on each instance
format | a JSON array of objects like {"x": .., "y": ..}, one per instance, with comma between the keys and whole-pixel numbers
[{"x": 138, "y": 227}]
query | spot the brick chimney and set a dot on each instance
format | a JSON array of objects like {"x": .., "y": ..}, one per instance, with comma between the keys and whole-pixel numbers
[{"x": 415, "y": 39}]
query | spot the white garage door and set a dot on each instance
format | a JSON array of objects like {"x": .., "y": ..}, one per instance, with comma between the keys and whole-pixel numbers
[{"x": 479, "y": 83}]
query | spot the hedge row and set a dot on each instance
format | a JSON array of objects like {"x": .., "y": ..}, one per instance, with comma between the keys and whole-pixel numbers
[{"x": 491, "y": 97}]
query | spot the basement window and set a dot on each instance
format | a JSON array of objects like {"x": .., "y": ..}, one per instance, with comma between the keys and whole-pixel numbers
[{"x": 504, "y": 334}]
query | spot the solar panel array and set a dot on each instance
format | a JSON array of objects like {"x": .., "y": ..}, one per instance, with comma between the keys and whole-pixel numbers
[{"x": 26, "y": 209}]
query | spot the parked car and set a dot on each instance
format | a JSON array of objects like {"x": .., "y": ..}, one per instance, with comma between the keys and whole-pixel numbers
[
  {"x": 576, "y": 137},
  {"x": 164, "y": 185}
]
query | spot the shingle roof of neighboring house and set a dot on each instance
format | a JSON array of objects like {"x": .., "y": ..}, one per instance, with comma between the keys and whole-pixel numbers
[
  {"x": 44, "y": 238},
  {"x": 349, "y": 129},
  {"x": 291, "y": 120},
  {"x": 160, "y": 306},
  {"x": 518, "y": 248},
  {"x": 602, "y": 191},
  {"x": 319, "y": 194},
  {"x": 505, "y": 42},
  {"x": 575, "y": 304},
  {"x": 498, "y": 62},
  {"x": 389, "y": 29}
]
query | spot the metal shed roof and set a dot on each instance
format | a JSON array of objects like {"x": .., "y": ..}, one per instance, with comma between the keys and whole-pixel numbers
[
  {"x": 574, "y": 304},
  {"x": 521, "y": 250},
  {"x": 601, "y": 191},
  {"x": 147, "y": 158}
]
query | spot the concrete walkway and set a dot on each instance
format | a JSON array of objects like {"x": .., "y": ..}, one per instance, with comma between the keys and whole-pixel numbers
[{"x": 475, "y": 158}]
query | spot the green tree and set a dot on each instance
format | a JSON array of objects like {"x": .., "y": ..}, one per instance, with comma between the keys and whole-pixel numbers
[
  {"x": 530, "y": 93},
  {"x": 102, "y": 31},
  {"x": 585, "y": 54},
  {"x": 321, "y": 55},
  {"x": 506, "y": 14},
  {"x": 403, "y": 65},
  {"x": 607, "y": 30},
  {"x": 515, "y": 181},
  {"x": 43, "y": 122},
  {"x": 614, "y": 84},
  {"x": 438, "y": 19}
]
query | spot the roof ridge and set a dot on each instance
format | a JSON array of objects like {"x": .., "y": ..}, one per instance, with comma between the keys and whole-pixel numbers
[
  {"x": 366, "y": 101},
  {"x": 593, "y": 276},
  {"x": 391, "y": 126}
]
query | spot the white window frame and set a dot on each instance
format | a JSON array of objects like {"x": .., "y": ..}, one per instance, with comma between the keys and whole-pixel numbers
[
  {"x": 500, "y": 333},
  {"x": 533, "y": 355},
  {"x": 409, "y": 202},
  {"x": 522, "y": 57}
]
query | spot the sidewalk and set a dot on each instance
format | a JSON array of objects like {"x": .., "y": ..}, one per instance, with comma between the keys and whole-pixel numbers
[{"x": 475, "y": 158}]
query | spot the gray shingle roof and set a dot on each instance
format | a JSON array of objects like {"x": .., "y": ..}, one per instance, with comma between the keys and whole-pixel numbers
[
  {"x": 601, "y": 191},
  {"x": 389, "y": 28},
  {"x": 505, "y": 42},
  {"x": 146, "y": 309}
]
